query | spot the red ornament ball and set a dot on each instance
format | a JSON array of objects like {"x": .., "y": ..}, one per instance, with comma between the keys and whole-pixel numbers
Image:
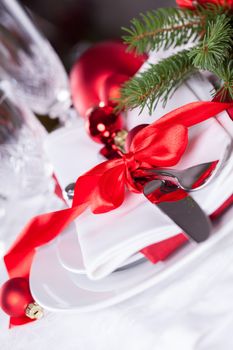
[
  {"x": 109, "y": 151},
  {"x": 99, "y": 73},
  {"x": 192, "y": 4},
  {"x": 102, "y": 124},
  {"x": 15, "y": 296}
]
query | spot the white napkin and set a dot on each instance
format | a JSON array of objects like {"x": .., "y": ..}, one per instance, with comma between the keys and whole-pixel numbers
[{"x": 109, "y": 239}]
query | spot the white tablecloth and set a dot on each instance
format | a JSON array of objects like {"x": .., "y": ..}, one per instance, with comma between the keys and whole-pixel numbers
[{"x": 191, "y": 311}]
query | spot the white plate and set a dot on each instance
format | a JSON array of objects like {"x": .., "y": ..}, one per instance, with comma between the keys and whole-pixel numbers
[
  {"x": 53, "y": 288},
  {"x": 69, "y": 251},
  {"x": 70, "y": 256},
  {"x": 115, "y": 281}
]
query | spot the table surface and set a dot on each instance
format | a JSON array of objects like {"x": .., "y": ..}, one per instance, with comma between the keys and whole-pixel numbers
[{"x": 193, "y": 310}]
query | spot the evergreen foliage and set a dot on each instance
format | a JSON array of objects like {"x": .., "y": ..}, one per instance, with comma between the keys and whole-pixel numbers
[
  {"x": 225, "y": 74},
  {"x": 208, "y": 28},
  {"x": 157, "y": 83},
  {"x": 216, "y": 45},
  {"x": 163, "y": 28}
]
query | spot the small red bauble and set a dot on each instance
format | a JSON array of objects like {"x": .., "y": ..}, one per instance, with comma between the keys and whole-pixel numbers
[
  {"x": 109, "y": 151},
  {"x": 15, "y": 296},
  {"x": 102, "y": 124}
]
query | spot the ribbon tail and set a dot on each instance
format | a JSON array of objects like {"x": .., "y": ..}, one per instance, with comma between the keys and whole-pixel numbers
[
  {"x": 194, "y": 113},
  {"x": 39, "y": 231}
]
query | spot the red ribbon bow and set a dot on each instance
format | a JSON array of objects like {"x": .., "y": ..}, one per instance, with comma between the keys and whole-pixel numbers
[{"x": 103, "y": 187}]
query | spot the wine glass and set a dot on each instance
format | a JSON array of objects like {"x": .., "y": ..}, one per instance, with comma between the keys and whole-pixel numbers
[
  {"x": 24, "y": 170},
  {"x": 29, "y": 61}
]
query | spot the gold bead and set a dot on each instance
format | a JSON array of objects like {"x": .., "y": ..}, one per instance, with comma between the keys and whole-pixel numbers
[
  {"x": 120, "y": 139},
  {"x": 34, "y": 311}
]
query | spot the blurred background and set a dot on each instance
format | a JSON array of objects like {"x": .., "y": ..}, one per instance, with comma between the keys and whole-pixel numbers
[
  {"x": 68, "y": 24},
  {"x": 72, "y": 25}
]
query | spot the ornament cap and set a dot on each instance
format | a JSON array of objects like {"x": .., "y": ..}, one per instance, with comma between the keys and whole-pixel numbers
[
  {"x": 120, "y": 139},
  {"x": 34, "y": 311}
]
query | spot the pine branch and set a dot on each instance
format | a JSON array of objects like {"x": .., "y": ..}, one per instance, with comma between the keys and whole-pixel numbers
[
  {"x": 169, "y": 27},
  {"x": 163, "y": 28},
  {"x": 225, "y": 74},
  {"x": 215, "y": 46},
  {"x": 159, "y": 82}
]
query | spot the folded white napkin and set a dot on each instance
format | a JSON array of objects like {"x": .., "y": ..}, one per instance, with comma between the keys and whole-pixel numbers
[{"x": 107, "y": 240}]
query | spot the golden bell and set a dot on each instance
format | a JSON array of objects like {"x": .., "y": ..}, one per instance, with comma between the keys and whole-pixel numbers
[{"x": 34, "y": 311}]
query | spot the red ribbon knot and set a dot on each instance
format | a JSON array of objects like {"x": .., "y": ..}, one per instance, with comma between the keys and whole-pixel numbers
[{"x": 130, "y": 162}]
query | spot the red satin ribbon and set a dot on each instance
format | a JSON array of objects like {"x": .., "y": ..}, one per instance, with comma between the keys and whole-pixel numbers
[{"x": 103, "y": 187}]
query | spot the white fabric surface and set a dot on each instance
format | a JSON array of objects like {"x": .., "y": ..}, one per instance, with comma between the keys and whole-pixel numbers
[
  {"x": 108, "y": 240},
  {"x": 191, "y": 311}
]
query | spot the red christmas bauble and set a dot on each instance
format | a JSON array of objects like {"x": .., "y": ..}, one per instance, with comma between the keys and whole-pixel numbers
[
  {"x": 98, "y": 74},
  {"x": 109, "y": 151},
  {"x": 15, "y": 296},
  {"x": 191, "y": 4},
  {"x": 102, "y": 124}
]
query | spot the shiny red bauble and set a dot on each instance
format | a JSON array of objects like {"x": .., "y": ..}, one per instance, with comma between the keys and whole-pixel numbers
[
  {"x": 98, "y": 74},
  {"x": 191, "y": 4},
  {"x": 102, "y": 124},
  {"x": 15, "y": 296}
]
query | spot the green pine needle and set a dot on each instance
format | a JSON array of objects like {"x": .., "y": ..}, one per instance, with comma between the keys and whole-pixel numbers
[
  {"x": 215, "y": 46},
  {"x": 163, "y": 28},
  {"x": 169, "y": 27},
  {"x": 225, "y": 74},
  {"x": 211, "y": 27},
  {"x": 157, "y": 83}
]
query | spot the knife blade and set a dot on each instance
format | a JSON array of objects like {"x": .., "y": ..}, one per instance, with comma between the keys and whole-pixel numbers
[{"x": 186, "y": 212}]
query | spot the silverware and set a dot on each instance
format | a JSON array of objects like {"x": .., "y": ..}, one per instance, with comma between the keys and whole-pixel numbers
[
  {"x": 187, "y": 177},
  {"x": 132, "y": 264},
  {"x": 186, "y": 213},
  {"x": 184, "y": 178},
  {"x": 68, "y": 193}
]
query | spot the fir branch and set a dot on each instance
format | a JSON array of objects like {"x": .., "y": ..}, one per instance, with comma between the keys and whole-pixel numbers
[
  {"x": 163, "y": 28},
  {"x": 159, "y": 82},
  {"x": 225, "y": 74},
  {"x": 170, "y": 27},
  {"x": 216, "y": 44}
]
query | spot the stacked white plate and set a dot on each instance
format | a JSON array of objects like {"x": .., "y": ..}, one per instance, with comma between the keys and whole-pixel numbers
[{"x": 59, "y": 283}]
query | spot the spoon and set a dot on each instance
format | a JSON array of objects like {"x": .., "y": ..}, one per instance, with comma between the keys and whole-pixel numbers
[
  {"x": 184, "y": 178},
  {"x": 187, "y": 177}
]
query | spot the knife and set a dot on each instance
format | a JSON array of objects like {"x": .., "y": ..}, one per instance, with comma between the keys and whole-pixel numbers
[{"x": 186, "y": 213}]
